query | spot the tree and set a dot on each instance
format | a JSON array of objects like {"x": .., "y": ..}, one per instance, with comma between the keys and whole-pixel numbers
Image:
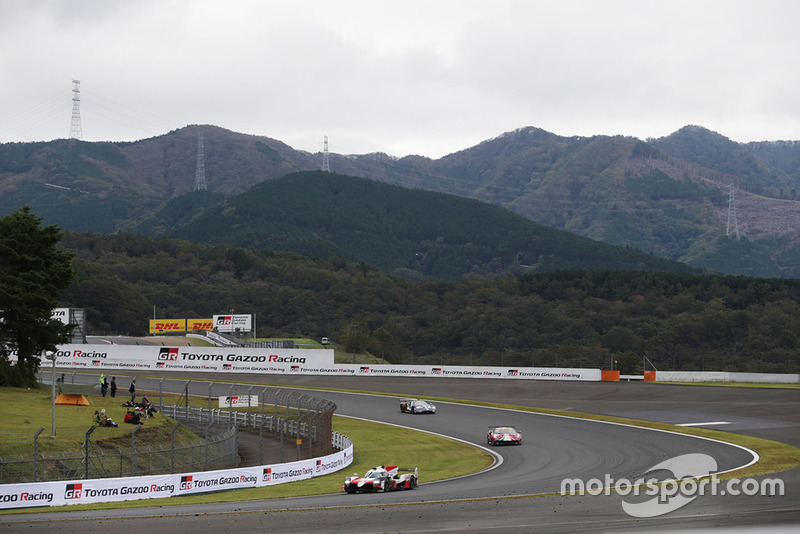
[{"x": 32, "y": 273}]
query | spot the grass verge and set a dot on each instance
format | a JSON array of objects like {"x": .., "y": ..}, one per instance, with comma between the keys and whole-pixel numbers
[{"x": 374, "y": 444}]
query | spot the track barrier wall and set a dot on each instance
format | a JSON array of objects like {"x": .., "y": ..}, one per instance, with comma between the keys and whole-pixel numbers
[
  {"x": 136, "y": 358},
  {"x": 93, "y": 491}
]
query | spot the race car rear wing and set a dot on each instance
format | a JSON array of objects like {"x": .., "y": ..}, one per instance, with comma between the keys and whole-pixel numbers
[{"x": 394, "y": 470}]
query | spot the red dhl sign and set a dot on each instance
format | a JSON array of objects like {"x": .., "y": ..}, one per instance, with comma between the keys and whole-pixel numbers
[
  {"x": 164, "y": 326},
  {"x": 199, "y": 324}
]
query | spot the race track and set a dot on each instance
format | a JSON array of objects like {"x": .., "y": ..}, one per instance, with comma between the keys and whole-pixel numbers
[{"x": 555, "y": 448}]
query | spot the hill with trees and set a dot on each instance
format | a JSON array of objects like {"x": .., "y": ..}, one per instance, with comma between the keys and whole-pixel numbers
[
  {"x": 670, "y": 196},
  {"x": 404, "y": 231},
  {"x": 575, "y": 318}
]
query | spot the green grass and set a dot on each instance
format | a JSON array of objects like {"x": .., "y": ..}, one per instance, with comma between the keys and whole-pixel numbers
[
  {"x": 374, "y": 444},
  {"x": 27, "y": 410}
]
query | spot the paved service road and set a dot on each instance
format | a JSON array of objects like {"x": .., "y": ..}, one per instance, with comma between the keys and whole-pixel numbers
[{"x": 555, "y": 448}]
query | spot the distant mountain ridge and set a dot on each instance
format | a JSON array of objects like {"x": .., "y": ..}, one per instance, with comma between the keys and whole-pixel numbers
[{"x": 669, "y": 196}]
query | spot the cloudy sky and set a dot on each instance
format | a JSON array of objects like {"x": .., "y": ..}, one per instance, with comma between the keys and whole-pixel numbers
[{"x": 426, "y": 77}]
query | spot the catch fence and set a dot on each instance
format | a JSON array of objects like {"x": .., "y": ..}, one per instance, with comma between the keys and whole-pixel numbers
[{"x": 281, "y": 425}]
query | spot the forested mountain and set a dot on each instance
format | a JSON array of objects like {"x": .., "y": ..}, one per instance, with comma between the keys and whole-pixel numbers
[
  {"x": 693, "y": 196},
  {"x": 569, "y": 318},
  {"x": 403, "y": 231}
]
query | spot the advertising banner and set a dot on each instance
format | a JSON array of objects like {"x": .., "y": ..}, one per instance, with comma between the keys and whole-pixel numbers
[
  {"x": 233, "y": 323},
  {"x": 91, "y": 491},
  {"x": 199, "y": 324},
  {"x": 62, "y": 314},
  {"x": 238, "y": 401},
  {"x": 139, "y": 357},
  {"x": 167, "y": 326},
  {"x": 285, "y": 361}
]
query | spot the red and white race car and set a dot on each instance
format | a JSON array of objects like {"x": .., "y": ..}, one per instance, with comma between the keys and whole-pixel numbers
[
  {"x": 501, "y": 435},
  {"x": 382, "y": 478}
]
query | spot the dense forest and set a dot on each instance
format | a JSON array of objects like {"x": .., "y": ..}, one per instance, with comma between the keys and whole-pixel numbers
[
  {"x": 404, "y": 231},
  {"x": 576, "y": 318}
]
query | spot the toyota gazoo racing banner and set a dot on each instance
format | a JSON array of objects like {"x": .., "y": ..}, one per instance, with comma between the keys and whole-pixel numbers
[
  {"x": 285, "y": 361},
  {"x": 233, "y": 323},
  {"x": 27, "y": 495},
  {"x": 187, "y": 358}
]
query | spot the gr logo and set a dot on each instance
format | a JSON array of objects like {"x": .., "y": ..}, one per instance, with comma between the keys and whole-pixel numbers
[
  {"x": 168, "y": 353},
  {"x": 267, "y": 476},
  {"x": 186, "y": 483},
  {"x": 74, "y": 491}
]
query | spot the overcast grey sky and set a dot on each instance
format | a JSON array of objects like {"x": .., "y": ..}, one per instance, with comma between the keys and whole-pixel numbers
[{"x": 426, "y": 77}]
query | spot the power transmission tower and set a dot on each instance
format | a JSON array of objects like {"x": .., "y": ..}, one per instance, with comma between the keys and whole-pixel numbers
[
  {"x": 732, "y": 214},
  {"x": 75, "y": 129},
  {"x": 200, "y": 173},
  {"x": 326, "y": 164}
]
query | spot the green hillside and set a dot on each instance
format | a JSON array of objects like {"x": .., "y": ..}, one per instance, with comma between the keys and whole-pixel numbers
[{"x": 404, "y": 231}]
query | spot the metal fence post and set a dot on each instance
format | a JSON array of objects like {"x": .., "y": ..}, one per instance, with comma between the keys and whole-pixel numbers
[
  {"x": 249, "y": 392},
  {"x": 86, "y": 450},
  {"x": 172, "y": 446},
  {"x": 133, "y": 449},
  {"x": 230, "y": 403},
  {"x": 36, "y": 454},
  {"x": 211, "y": 422}
]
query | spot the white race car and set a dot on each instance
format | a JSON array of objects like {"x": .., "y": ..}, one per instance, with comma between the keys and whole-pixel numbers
[
  {"x": 416, "y": 406},
  {"x": 382, "y": 478}
]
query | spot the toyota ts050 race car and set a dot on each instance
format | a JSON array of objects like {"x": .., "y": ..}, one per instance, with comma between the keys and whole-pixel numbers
[
  {"x": 498, "y": 435},
  {"x": 416, "y": 406},
  {"x": 382, "y": 478}
]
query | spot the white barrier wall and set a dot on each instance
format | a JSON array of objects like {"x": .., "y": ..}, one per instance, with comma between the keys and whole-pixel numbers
[
  {"x": 721, "y": 376},
  {"x": 282, "y": 361},
  {"x": 99, "y": 490}
]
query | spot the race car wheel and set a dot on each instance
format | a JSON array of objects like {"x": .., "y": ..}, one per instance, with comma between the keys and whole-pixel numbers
[
  {"x": 413, "y": 482},
  {"x": 413, "y": 409},
  {"x": 350, "y": 491}
]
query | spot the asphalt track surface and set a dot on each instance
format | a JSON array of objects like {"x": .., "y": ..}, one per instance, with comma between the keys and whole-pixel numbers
[{"x": 504, "y": 498}]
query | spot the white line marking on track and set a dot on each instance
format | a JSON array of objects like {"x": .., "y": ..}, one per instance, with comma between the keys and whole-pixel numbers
[{"x": 709, "y": 423}]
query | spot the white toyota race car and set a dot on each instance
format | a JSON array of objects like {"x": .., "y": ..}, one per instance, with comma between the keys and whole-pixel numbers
[{"x": 382, "y": 478}]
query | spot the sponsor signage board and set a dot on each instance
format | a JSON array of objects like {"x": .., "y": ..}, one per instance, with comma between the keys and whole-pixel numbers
[
  {"x": 284, "y": 361},
  {"x": 238, "y": 401},
  {"x": 167, "y": 326},
  {"x": 62, "y": 314},
  {"x": 199, "y": 324},
  {"x": 90, "y": 491},
  {"x": 233, "y": 323}
]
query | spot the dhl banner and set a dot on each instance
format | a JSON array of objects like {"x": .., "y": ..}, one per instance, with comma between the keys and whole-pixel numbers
[
  {"x": 167, "y": 326},
  {"x": 176, "y": 326},
  {"x": 199, "y": 324}
]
